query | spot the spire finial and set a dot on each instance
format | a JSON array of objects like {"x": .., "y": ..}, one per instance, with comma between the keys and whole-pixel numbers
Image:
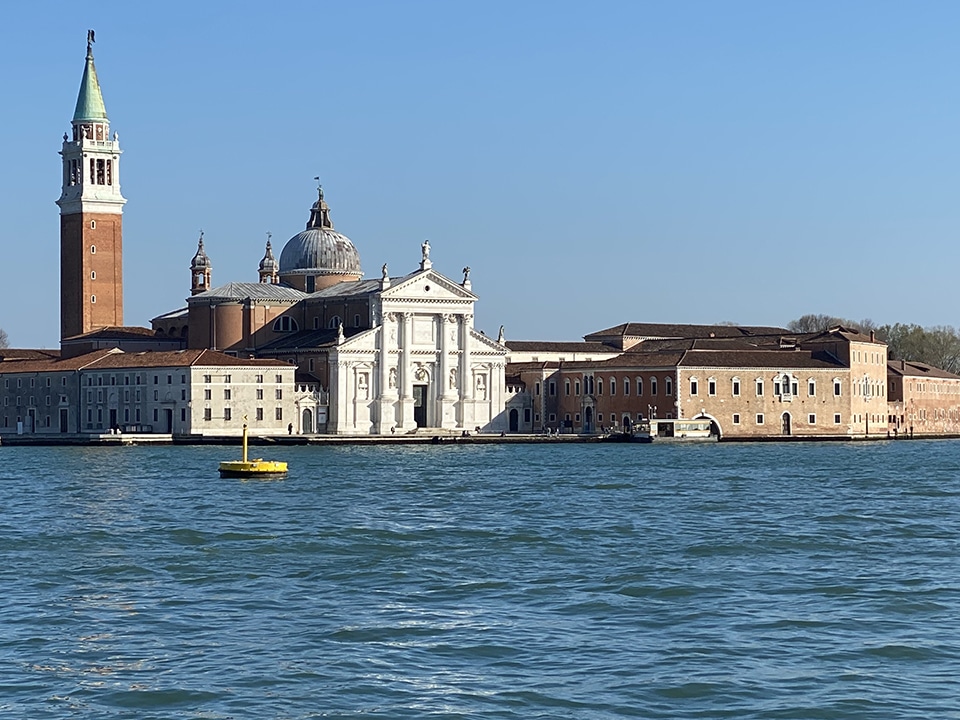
[
  {"x": 91, "y": 39},
  {"x": 269, "y": 235},
  {"x": 319, "y": 188}
]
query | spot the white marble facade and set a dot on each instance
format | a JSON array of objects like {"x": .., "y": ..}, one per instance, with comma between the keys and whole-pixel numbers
[{"x": 421, "y": 365}]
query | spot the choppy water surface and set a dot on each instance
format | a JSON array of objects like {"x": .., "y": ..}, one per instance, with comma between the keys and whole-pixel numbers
[{"x": 538, "y": 581}]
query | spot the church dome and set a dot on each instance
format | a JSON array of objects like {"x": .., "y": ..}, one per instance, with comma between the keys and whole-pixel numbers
[{"x": 320, "y": 250}]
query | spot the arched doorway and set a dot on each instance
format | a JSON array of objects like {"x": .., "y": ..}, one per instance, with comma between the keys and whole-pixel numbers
[
  {"x": 588, "y": 420},
  {"x": 514, "y": 420},
  {"x": 786, "y": 423},
  {"x": 307, "y": 421},
  {"x": 626, "y": 423}
]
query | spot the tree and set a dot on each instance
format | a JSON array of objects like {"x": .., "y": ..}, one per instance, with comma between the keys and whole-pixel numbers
[
  {"x": 4, "y": 339},
  {"x": 818, "y": 323},
  {"x": 938, "y": 345}
]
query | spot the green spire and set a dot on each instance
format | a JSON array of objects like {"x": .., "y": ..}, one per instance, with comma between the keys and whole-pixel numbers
[{"x": 90, "y": 101}]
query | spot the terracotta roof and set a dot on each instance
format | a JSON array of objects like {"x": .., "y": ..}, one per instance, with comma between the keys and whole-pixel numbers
[
  {"x": 514, "y": 368},
  {"x": 54, "y": 365},
  {"x": 669, "y": 330},
  {"x": 115, "y": 333},
  {"x": 914, "y": 368},
  {"x": 181, "y": 358},
  {"x": 664, "y": 359},
  {"x": 308, "y": 340},
  {"x": 547, "y": 346},
  {"x": 775, "y": 359},
  {"x": 9, "y": 354}
]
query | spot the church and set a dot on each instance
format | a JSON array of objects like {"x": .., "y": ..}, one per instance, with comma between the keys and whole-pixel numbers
[{"x": 388, "y": 355}]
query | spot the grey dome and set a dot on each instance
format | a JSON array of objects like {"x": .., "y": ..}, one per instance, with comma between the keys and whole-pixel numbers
[
  {"x": 320, "y": 250},
  {"x": 200, "y": 260}
]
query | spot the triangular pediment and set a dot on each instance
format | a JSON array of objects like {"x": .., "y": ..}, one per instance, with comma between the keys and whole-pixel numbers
[
  {"x": 427, "y": 285},
  {"x": 489, "y": 345}
]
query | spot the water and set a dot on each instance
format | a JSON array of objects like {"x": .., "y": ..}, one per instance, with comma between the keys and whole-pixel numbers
[{"x": 535, "y": 581}]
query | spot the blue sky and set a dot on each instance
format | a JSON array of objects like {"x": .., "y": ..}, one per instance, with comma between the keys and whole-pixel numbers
[{"x": 593, "y": 163}]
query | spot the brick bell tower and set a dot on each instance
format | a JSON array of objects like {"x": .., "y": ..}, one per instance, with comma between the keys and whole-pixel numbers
[{"x": 91, "y": 215}]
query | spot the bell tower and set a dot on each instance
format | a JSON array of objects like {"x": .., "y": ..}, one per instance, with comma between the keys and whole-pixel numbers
[{"x": 91, "y": 215}]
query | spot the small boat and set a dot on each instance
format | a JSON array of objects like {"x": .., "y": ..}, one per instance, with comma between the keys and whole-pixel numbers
[{"x": 258, "y": 468}]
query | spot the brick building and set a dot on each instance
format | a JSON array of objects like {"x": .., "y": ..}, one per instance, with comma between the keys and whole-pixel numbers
[{"x": 923, "y": 400}]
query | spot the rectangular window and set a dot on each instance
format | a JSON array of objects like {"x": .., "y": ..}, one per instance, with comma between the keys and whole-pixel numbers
[
  {"x": 693, "y": 387},
  {"x": 279, "y": 414},
  {"x": 156, "y": 415},
  {"x": 794, "y": 387},
  {"x": 136, "y": 414},
  {"x": 207, "y": 394},
  {"x": 759, "y": 418},
  {"x": 566, "y": 387},
  {"x": 811, "y": 419},
  {"x": 536, "y": 388},
  {"x": 811, "y": 388},
  {"x": 736, "y": 388},
  {"x": 227, "y": 414},
  {"x": 156, "y": 394},
  {"x": 836, "y": 388},
  {"x": 653, "y": 386},
  {"x": 156, "y": 379},
  {"x": 553, "y": 417},
  {"x": 279, "y": 394},
  {"x": 259, "y": 414},
  {"x": 536, "y": 418},
  {"x": 836, "y": 419},
  {"x": 576, "y": 387},
  {"x": 259, "y": 393},
  {"x": 626, "y": 386},
  {"x": 759, "y": 388},
  {"x": 736, "y": 418},
  {"x": 183, "y": 379},
  {"x": 279, "y": 378},
  {"x": 553, "y": 388},
  {"x": 711, "y": 387},
  {"x": 776, "y": 388},
  {"x": 183, "y": 414},
  {"x": 207, "y": 414},
  {"x": 226, "y": 393},
  {"x": 207, "y": 378},
  {"x": 259, "y": 378}
]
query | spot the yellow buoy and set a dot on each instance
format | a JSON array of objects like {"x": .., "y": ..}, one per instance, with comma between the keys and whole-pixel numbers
[{"x": 258, "y": 468}]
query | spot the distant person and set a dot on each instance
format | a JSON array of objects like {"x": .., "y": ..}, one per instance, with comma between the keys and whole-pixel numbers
[{"x": 290, "y": 429}]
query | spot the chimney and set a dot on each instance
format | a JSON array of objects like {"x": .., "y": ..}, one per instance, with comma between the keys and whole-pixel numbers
[
  {"x": 873, "y": 336},
  {"x": 903, "y": 365}
]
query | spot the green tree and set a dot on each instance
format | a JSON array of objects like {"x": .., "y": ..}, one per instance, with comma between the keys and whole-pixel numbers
[{"x": 818, "y": 323}]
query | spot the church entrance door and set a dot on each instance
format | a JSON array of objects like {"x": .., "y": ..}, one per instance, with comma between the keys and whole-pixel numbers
[
  {"x": 307, "y": 426},
  {"x": 588, "y": 420},
  {"x": 514, "y": 420},
  {"x": 420, "y": 405},
  {"x": 168, "y": 420},
  {"x": 786, "y": 423}
]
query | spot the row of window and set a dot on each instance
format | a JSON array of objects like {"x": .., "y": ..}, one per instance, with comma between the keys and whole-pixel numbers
[
  {"x": 33, "y": 382},
  {"x": 228, "y": 414},
  {"x": 285, "y": 323}
]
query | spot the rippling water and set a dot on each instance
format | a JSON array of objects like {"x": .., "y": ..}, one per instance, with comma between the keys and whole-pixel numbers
[{"x": 530, "y": 581}]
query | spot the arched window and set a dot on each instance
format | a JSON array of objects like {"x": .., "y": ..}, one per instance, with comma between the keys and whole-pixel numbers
[
  {"x": 668, "y": 383},
  {"x": 639, "y": 386},
  {"x": 599, "y": 386},
  {"x": 653, "y": 385},
  {"x": 694, "y": 386},
  {"x": 285, "y": 323},
  {"x": 735, "y": 387},
  {"x": 334, "y": 322},
  {"x": 626, "y": 386}
]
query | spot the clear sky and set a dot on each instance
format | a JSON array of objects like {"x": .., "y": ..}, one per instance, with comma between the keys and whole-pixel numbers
[{"x": 594, "y": 163}]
